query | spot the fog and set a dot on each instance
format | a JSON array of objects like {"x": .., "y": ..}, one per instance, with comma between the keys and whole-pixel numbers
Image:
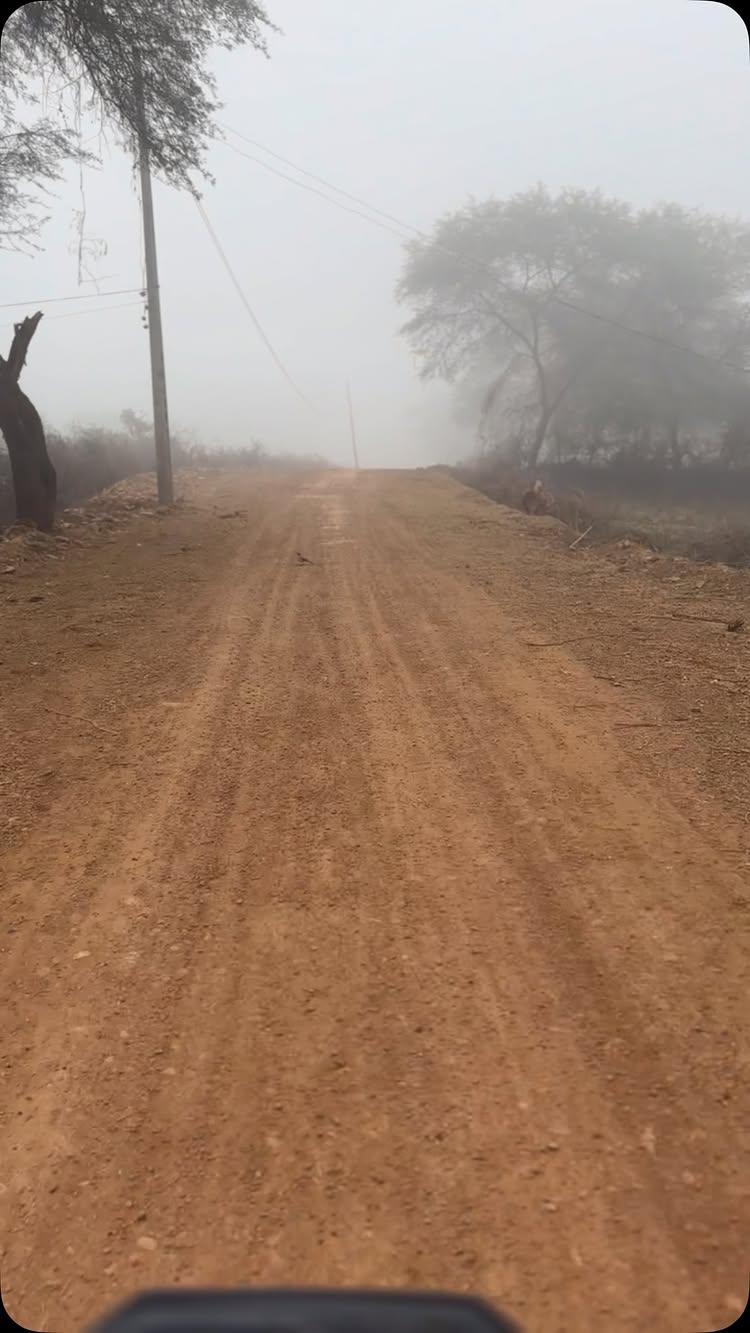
[{"x": 415, "y": 107}]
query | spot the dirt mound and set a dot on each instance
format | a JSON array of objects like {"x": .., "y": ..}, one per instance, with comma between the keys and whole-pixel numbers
[{"x": 83, "y": 525}]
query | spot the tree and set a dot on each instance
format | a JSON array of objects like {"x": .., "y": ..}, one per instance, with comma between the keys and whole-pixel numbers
[
  {"x": 115, "y": 51},
  {"x": 143, "y": 66},
  {"x": 136, "y": 426},
  {"x": 484, "y": 285},
  {"x": 30, "y": 157},
  {"x": 34, "y": 479},
  {"x": 536, "y": 295}
]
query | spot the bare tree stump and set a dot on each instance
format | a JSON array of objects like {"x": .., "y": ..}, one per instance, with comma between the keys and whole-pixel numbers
[
  {"x": 536, "y": 500},
  {"x": 34, "y": 477}
]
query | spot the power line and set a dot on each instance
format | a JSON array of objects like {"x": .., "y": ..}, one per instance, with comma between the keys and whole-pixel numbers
[
  {"x": 355, "y": 199},
  {"x": 80, "y": 296},
  {"x": 652, "y": 337},
  {"x": 311, "y": 190},
  {"x": 247, "y": 305},
  {"x": 453, "y": 254},
  {"x": 98, "y": 310}
]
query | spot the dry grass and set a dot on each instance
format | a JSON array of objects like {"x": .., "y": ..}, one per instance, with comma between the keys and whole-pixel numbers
[{"x": 93, "y": 459}]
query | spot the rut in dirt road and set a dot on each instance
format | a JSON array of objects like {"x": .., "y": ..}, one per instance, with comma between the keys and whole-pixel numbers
[{"x": 363, "y": 955}]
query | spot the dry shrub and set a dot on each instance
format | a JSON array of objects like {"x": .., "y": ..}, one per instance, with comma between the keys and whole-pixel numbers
[
  {"x": 507, "y": 485},
  {"x": 92, "y": 459},
  {"x": 730, "y": 547},
  {"x": 704, "y": 515}
]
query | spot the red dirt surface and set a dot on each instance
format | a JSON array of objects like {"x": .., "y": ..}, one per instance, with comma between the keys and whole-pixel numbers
[{"x": 350, "y": 935}]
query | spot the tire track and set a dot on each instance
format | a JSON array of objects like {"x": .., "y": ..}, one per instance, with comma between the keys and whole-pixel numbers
[{"x": 374, "y": 982}]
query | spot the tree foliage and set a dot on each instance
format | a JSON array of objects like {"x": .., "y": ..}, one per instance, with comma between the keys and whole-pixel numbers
[
  {"x": 30, "y": 157},
  {"x": 111, "y": 50},
  {"x": 563, "y": 317}
]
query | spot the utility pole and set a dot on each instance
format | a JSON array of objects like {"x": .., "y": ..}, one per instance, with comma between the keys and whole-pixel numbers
[
  {"x": 164, "y": 480},
  {"x": 351, "y": 424}
]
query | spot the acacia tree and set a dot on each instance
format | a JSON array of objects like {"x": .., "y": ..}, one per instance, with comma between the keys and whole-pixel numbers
[
  {"x": 142, "y": 66},
  {"x": 529, "y": 297},
  {"x": 30, "y": 157},
  {"x": 485, "y": 285}
]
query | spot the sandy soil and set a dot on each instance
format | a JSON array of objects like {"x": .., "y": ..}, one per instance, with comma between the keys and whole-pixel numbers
[{"x": 349, "y": 935}]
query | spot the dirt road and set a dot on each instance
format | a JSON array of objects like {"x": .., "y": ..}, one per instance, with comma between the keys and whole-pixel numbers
[{"x": 348, "y": 937}]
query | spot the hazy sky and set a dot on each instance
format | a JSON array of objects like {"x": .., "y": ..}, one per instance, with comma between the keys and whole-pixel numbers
[{"x": 414, "y": 105}]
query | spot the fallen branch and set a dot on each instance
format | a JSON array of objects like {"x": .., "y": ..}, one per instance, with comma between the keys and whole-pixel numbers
[{"x": 580, "y": 538}]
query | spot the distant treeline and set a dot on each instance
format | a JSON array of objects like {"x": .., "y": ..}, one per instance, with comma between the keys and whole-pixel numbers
[{"x": 648, "y": 482}]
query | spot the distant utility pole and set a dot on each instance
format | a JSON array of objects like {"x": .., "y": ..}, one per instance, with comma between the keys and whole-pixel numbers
[
  {"x": 164, "y": 480},
  {"x": 351, "y": 424}
]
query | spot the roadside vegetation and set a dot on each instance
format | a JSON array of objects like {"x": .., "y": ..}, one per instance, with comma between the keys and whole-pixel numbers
[
  {"x": 601, "y": 349},
  {"x": 90, "y": 459}
]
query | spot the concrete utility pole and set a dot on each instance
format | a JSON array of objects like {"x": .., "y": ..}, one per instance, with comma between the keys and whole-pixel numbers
[
  {"x": 351, "y": 423},
  {"x": 165, "y": 484}
]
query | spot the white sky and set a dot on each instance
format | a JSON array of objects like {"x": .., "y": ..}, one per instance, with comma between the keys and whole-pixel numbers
[{"x": 416, "y": 106}]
